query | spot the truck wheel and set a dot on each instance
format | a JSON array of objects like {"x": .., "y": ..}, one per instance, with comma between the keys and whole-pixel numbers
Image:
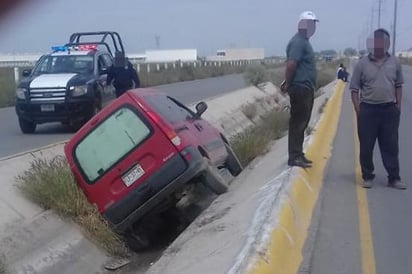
[
  {"x": 214, "y": 180},
  {"x": 27, "y": 126},
  {"x": 232, "y": 162},
  {"x": 137, "y": 241}
]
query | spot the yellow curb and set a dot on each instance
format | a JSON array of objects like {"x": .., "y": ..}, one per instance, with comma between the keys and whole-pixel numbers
[
  {"x": 365, "y": 231},
  {"x": 283, "y": 250}
]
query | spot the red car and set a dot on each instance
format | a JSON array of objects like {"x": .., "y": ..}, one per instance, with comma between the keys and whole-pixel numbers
[{"x": 135, "y": 156}]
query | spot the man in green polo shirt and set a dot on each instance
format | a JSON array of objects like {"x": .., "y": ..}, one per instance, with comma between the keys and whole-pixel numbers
[{"x": 300, "y": 83}]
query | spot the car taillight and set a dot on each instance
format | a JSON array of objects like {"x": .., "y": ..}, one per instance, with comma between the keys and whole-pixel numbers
[{"x": 169, "y": 132}]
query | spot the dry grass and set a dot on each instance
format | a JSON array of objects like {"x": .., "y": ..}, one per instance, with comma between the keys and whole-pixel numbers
[
  {"x": 50, "y": 184},
  {"x": 7, "y": 87},
  {"x": 254, "y": 141},
  {"x": 406, "y": 61}
]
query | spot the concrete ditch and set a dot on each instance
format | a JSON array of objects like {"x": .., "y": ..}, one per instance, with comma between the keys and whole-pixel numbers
[{"x": 37, "y": 241}]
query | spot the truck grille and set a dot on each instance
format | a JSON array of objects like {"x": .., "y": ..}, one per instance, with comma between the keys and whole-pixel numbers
[{"x": 46, "y": 95}]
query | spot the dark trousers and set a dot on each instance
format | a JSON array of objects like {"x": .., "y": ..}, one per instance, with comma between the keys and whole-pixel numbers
[
  {"x": 301, "y": 104},
  {"x": 379, "y": 122}
]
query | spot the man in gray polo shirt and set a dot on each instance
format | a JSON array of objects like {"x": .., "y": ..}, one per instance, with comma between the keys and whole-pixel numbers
[
  {"x": 376, "y": 87},
  {"x": 300, "y": 83}
]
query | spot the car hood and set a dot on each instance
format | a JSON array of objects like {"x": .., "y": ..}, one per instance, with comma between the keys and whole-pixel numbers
[{"x": 59, "y": 80}]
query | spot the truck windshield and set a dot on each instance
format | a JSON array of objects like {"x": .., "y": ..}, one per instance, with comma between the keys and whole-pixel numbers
[
  {"x": 65, "y": 64},
  {"x": 109, "y": 142}
]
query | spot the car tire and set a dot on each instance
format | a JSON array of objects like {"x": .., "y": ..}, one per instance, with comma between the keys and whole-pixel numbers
[
  {"x": 137, "y": 241},
  {"x": 232, "y": 162},
  {"x": 214, "y": 180},
  {"x": 27, "y": 127}
]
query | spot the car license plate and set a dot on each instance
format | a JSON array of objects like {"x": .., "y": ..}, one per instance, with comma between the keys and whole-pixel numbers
[
  {"x": 47, "y": 107},
  {"x": 133, "y": 175}
]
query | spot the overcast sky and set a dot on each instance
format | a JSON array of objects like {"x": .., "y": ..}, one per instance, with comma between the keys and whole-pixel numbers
[{"x": 207, "y": 25}]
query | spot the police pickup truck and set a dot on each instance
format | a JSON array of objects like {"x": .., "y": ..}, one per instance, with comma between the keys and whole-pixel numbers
[{"x": 67, "y": 85}]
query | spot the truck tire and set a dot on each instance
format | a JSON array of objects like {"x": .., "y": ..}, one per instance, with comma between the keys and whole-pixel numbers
[
  {"x": 27, "y": 126},
  {"x": 232, "y": 162},
  {"x": 214, "y": 180}
]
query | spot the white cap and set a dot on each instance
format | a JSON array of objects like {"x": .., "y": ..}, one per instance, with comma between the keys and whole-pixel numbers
[{"x": 308, "y": 15}]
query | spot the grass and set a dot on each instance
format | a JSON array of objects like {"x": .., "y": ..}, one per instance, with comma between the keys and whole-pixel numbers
[
  {"x": 7, "y": 87},
  {"x": 256, "y": 74},
  {"x": 50, "y": 184},
  {"x": 255, "y": 141},
  {"x": 406, "y": 61},
  {"x": 148, "y": 79}
]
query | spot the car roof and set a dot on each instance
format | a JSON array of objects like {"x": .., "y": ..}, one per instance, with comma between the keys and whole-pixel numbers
[
  {"x": 76, "y": 53},
  {"x": 140, "y": 92}
]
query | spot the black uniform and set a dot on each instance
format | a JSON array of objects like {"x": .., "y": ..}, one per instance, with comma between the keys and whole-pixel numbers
[{"x": 123, "y": 78}]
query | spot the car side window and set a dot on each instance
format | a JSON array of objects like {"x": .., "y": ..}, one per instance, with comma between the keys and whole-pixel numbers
[
  {"x": 168, "y": 109},
  {"x": 183, "y": 109}
]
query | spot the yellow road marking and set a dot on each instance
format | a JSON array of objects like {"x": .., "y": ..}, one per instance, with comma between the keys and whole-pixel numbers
[{"x": 365, "y": 232}]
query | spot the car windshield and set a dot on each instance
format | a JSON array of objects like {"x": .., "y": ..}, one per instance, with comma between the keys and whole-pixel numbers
[
  {"x": 65, "y": 64},
  {"x": 123, "y": 130}
]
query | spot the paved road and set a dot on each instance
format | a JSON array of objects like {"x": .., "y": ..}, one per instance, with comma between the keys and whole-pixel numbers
[
  {"x": 13, "y": 141},
  {"x": 346, "y": 225}
]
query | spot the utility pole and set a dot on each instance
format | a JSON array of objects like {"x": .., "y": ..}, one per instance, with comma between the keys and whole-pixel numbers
[
  {"x": 379, "y": 13},
  {"x": 395, "y": 19},
  {"x": 157, "y": 38}
]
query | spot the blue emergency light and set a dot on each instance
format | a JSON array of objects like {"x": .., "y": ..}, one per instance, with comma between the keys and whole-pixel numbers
[{"x": 59, "y": 48}]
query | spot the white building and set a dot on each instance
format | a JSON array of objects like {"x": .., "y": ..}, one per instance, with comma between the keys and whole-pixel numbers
[
  {"x": 171, "y": 55},
  {"x": 238, "y": 54},
  {"x": 405, "y": 54}
]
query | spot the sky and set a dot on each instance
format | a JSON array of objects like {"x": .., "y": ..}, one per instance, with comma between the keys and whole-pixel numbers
[{"x": 207, "y": 25}]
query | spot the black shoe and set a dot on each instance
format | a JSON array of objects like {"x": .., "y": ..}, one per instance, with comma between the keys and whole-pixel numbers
[
  {"x": 299, "y": 162},
  {"x": 306, "y": 160}
]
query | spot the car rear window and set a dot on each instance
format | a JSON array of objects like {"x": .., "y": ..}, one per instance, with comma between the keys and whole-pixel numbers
[{"x": 109, "y": 142}]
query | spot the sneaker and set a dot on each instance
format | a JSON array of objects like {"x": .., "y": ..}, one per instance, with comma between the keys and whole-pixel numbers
[
  {"x": 367, "y": 183},
  {"x": 398, "y": 184},
  {"x": 306, "y": 160},
  {"x": 299, "y": 162}
]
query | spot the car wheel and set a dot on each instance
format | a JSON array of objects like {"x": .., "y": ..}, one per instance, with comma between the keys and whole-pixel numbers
[
  {"x": 27, "y": 126},
  {"x": 137, "y": 241},
  {"x": 214, "y": 180},
  {"x": 232, "y": 162}
]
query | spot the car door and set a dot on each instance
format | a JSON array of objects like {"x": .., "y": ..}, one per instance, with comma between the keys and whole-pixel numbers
[
  {"x": 104, "y": 63},
  {"x": 208, "y": 136}
]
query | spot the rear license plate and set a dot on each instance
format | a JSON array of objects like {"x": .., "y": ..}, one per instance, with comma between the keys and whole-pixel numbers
[
  {"x": 133, "y": 175},
  {"x": 47, "y": 107}
]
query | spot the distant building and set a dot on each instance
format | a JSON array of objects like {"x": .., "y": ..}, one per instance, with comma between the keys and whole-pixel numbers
[
  {"x": 238, "y": 54},
  {"x": 171, "y": 55},
  {"x": 404, "y": 54}
]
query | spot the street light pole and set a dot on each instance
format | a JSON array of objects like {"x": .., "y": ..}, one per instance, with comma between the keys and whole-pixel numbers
[{"x": 395, "y": 19}]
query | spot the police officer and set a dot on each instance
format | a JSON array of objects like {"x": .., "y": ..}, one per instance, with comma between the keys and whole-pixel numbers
[{"x": 122, "y": 74}]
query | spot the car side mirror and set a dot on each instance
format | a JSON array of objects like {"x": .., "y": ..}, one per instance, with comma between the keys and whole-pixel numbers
[
  {"x": 200, "y": 109},
  {"x": 26, "y": 72}
]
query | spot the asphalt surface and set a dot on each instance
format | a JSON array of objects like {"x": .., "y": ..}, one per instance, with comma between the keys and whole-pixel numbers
[
  {"x": 12, "y": 141},
  {"x": 337, "y": 247}
]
